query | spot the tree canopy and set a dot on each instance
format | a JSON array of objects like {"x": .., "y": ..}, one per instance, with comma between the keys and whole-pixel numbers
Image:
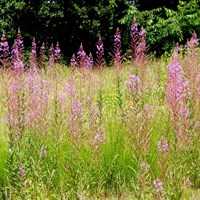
[{"x": 72, "y": 22}]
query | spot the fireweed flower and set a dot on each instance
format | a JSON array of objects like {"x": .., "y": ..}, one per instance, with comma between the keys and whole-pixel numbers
[
  {"x": 117, "y": 48},
  {"x": 163, "y": 145},
  {"x": 42, "y": 53},
  {"x": 70, "y": 87},
  {"x": 134, "y": 28},
  {"x": 33, "y": 49},
  {"x": 142, "y": 31},
  {"x": 141, "y": 47},
  {"x": 133, "y": 84},
  {"x": 158, "y": 186},
  {"x": 75, "y": 125},
  {"x": 100, "y": 48},
  {"x": 14, "y": 52},
  {"x": 134, "y": 37},
  {"x": 51, "y": 55},
  {"x": 175, "y": 84},
  {"x": 117, "y": 37},
  {"x": 73, "y": 62},
  {"x": 137, "y": 44},
  {"x": 76, "y": 110},
  {"x": 186, "y": 47},
  {"x": 17, "y": 64},
  {"x": 175, "y": 95},
  {"x": 38, "y": 99},
  {"x": 81, "y": 53},
  {"x": 89, "y": 61},
  {"x": 177, "y": 48},
  {"x": 20, "y": 43},
  {"x": 42, "y": 49},
  {"x": 99, "y": 53},
  {"x": 57, "y": 53},
  {"x": 99, "y": 139},
  {"x": 194, "y": 40},
  {"x": 81, "y": 57},
  {"x": 4, "y": 49}
]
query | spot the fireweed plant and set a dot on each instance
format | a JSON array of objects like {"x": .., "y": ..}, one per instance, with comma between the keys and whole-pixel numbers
[{"x": 130, "y": 131}]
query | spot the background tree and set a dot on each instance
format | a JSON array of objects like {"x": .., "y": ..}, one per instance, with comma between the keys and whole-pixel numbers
[
  {"x": 165, "y": 26},
  {"x": 72, "y": 22}
]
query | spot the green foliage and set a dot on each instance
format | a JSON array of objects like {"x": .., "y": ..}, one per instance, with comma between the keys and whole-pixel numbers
[
  {"x": 62, "y": 165},
  {"x": 165, "y": 26}
]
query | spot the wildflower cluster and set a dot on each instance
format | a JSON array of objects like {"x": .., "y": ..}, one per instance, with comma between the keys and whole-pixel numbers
[
  {"x": 4, "y": 48},
  {"x": 137, "y": 43},
  {"x": 82, "y": 60},
  {"x": 117, "y": 57},
  {"x": 175, "y": 94}
]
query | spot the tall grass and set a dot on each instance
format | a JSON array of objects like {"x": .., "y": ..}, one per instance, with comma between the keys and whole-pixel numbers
[
  {"x": 90, "y": 134},
  {"x": 130, "y": 131}
]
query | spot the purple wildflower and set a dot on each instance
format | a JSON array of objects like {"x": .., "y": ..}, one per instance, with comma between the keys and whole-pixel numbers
[
  {"x": 38, "y": 99},
  {"x": 4, "y": 49},
  {"x": 81, "y": 57},
  {"x": 163, "y": 145},
  {"x": 33, "y": 49},
  {"x": 99, "y": 53},
  {"x": 175, "y": 84},
  {"x": 76, "y": 110},
  {"x": 42, "y": 49},
  {"x": 100, "y": 48},
  {"x": 17, "y": 64},
  {"x": 175, "y": 96},
  {"x": 142, "y": 31},
  {"x": 51, "y": 55},
  {"x": 42, "y": 54},
  {"x": 133, "y": 39},
  {"x": 117, "y": 37},
  {"x": 158, "y": 186},
  {"x": 186, "y": 47},
  {"x": 99, "y": 139},
  {"x": 134, "y": 84},
  {"x": 117, "y": 48},
  {"x": 141, "y": 47},
  {"x": 194, "y": 40},
  {"x": 73, "y": 62},
  {"x": 89, "y": 61},
  {"x": 57, "y": 53},
  {"x": 177, "y": 48},
  {"x": 134, "y": 27},
  {"x": 81, "y": 53},
  {"x": 20, "y": 43}
]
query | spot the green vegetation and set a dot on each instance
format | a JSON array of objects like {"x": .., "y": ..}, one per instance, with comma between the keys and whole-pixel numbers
[{"x": 83, "y": 134}]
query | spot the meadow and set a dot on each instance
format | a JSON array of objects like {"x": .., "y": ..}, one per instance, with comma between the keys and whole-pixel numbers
[{"x": 128, "y": 131}]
